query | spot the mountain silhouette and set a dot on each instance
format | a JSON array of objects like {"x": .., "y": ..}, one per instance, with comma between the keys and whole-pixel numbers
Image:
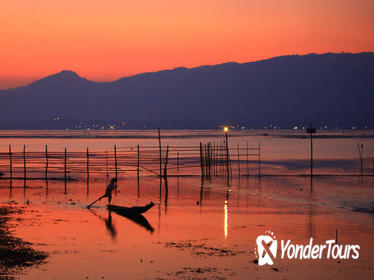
[{"x": 327, "y": 89}]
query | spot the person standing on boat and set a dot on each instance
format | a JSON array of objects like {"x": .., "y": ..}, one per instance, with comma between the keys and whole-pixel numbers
[{"x": 108, "y": 192}]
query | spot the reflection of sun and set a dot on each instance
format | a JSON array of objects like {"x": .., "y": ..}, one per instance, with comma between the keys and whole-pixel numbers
[{"x": 226, "y": 220}]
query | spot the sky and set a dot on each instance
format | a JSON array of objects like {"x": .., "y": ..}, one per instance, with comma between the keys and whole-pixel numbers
[{"x": 107, "y": 40}]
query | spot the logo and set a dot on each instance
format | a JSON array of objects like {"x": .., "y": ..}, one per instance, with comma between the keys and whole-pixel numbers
[{"x": 267, "y": 246}]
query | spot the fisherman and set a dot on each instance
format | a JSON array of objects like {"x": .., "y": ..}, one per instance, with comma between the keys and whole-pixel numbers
[{"x": 108, "y": 192}]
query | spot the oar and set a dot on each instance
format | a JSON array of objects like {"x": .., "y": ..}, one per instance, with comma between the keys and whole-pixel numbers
[{"x": 95, "y": 201}]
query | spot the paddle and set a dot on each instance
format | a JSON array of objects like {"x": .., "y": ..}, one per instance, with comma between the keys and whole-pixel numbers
[{"x": 88, "y": 207}]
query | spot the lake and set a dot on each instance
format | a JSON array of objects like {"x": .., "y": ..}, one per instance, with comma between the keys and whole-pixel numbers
[{"x": 199, "y": 228}]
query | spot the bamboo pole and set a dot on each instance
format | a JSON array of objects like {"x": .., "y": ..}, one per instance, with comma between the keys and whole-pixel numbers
[
  {"x": 166, "y": 163},
  {"x": 311, "y": 153},
  {"x": 137, "y": 167},
  {"x": 24, "y": 163},
  {"x": 10, "y": 163},
  {"x": 46, "y": 162},
  {"x": 259, "y": 159},
  {"x": 88, "y": 165},
  {"x": 160, "y": 150},
  {"x": 178, "y": 162},
  {"x": 205, "y": 160},
  {"x": 65, "y": 165},
  {"x": 230, "y": 167},
  {"x": 238, "y": 160},
  {"x": 201, "y": 160},
  {"x": 166, "y": 194},
  {"x": 115, "y": 163},
  {"x": 208, "y": 159},
  {"x": 213, "y": 158},
  {"x": 137, "y": 171},
  {"x": 106, "y": 163},
  {"x": 222, "y": 158},
  {"x": 247, "y": 161},
  {"x": 227, "y": 156},
  {"x": 360, "y": 149},
  {"x": 218, "y": 158}
]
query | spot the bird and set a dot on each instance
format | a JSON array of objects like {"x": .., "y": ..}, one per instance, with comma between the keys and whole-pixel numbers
[{"x": 108, "y": 192}]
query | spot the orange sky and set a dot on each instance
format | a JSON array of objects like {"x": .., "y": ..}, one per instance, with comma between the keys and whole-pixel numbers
[{"x": 106, "y": 40}]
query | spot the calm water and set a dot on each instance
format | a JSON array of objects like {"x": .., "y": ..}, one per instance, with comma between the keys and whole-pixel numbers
[
  {"x": 282, "y": 152},
  {"x": 198, "y": 229}
]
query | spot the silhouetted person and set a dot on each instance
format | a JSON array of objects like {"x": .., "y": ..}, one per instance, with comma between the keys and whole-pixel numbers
[{"x": 108, "y": 192}]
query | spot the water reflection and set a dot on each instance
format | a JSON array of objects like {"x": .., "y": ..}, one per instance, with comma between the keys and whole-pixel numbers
[
  {"x": 166, "y": 194},
  {"x": 225, "y": 224},
  {"x": 88, "y": 187},
  {"x": 10, "y": 193},
  {"x": 137, "y": 218},
  {"x": 201, "y": 191},
  {"x": 177, "y": 188},
  {"x": 226, "y": 211},
  {"x": 310, "y": 212},
  {"x": 271, "y": 204},
  {"x": 108, "y": 223}
]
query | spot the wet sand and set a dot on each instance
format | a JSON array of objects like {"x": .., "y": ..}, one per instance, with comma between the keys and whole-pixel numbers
[{"x": 15, "y": 253}]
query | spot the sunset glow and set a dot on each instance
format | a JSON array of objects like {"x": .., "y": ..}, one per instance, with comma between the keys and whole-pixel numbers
[{"x": 106, "y": 40}]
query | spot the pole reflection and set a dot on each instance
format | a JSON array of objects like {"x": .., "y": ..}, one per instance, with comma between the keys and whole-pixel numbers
[
  {"x": 226, "y": 213},
  {"x": 311, "y": 212},
  {"x": 226, "y": 234}
]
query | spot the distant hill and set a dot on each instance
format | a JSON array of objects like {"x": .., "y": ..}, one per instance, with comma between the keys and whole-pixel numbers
[{"x": 328, "y": 89}]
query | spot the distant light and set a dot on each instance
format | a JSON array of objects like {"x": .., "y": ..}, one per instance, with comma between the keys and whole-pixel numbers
[
  {"x": 295, "y": 128},
  {"x": 226, "y": 129}
]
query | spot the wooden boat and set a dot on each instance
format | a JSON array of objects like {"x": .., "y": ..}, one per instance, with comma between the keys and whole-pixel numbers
[
  {"x": 134, "y": 214},
  {"x": 130, "y": 210}
]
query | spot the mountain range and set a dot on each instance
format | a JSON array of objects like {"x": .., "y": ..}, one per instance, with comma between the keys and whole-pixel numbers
[{"x": 323, "y": 89}]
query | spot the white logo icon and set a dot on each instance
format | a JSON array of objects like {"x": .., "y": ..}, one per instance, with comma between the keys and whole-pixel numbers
[{"x": 266, "y": 248}]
